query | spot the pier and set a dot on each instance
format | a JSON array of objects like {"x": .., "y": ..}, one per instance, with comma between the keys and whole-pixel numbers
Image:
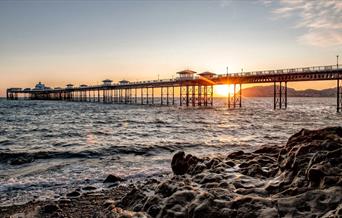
[{"x": 189, "y": 88}]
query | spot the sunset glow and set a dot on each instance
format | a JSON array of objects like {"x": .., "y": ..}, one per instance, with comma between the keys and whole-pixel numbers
[
  {"x": 223, "y": 90},
  {"x": 85, "y": 42}
]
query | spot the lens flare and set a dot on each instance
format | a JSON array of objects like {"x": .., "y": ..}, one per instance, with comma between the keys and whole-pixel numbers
[{"x": 223, "y": 90}]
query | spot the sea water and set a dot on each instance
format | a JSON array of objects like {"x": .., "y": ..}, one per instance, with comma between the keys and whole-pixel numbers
[{"x": 49, "y": 148}]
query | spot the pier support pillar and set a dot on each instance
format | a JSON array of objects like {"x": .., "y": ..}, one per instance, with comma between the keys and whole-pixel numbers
[
  {"x": 142, "y": 95},
  {"x": 173, "y": 95},
  {"x": 280, "y": 95},
  {"x": 211, "y": 95},
  {"x": 135, "y": 96},
  {"x": 180, "y": 96},
  {"x": 205, "y": 96},
  {"x": 193, "y": 95},
  {"x": 167, "y": 95},
  {"x": 199, "y": 95},
  {"x": 187, "y": 95},
  {"x": 240, "y": 96},
  {"x": 161, "y": 95},
  {"x": 152, "y": 95},
  {"x": 339, "y": 95},
  {"x": 234, "y": 99}
]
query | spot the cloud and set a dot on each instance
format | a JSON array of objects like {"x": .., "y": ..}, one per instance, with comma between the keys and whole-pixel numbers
[{"x": 320, "y": 20}]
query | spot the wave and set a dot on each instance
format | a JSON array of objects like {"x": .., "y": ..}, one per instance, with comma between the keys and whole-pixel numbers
[{"x": 18, "y": 158}]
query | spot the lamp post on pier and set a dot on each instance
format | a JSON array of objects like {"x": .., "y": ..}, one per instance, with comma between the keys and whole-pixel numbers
[{"x": 337, "y": 60}]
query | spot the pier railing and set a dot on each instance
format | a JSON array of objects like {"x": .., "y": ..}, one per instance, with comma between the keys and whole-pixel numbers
[{"x": 283, "y": 71}]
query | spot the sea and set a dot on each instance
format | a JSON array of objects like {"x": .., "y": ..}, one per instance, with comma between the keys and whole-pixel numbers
[{"x": 49, "y": 148}]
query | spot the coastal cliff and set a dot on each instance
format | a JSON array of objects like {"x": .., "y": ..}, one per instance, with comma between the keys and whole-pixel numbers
[{"x": 267, "y": 91}]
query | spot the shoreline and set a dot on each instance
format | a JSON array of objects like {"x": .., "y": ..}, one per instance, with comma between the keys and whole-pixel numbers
[{"x": 300, "y": 179}]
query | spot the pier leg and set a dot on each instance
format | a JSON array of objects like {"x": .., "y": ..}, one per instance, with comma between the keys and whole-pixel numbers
[
  {"x": 285, "y": 94},
  {"x": 275, "y": 96},
  {"x": 240, "y": 96},
  {"x": 280, "y": 96},
  {"x": 180, "y": 96},
  {"x": 147, "y": 96},
  {"x": 130, "y": 95},
  {"x": 161, "y": 95},
  {"x": 234, "y": 95},
  {"x": 153, "y": 95},
  {"x": 205, "y": 95},
  {"x": 142, "y": 95},
  {"x": 126, "y": 96},
  {"x": 173, "y": 95},
  {"x": 167, "y": 95},
  {"x": 193, "y": 95},
  {"x": 211, "y": 95},
  {"x": 339, "y": 96},
  {"x": 199, "y": 95},
  {"x": 135, "y": 96},
  {"x": 229, "y": 97},
  {"x": 187, "y": 95}
]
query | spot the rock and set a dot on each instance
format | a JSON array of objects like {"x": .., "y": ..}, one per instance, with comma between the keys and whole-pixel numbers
[
  {"x": 89, "y": 188},
  {"x": 234, "y": 155},
  {"x": 300, "y": 179},
  {"x": 50, "y": 208},
  {"x": 108, "y": 203},
  {"x": 112, "y": 179},
  {"x": 181, "y": 164},
  {"x": 73, "y": 194}
]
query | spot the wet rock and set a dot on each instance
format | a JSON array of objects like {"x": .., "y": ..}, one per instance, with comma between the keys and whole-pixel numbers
[
  {"x": 179, "y": 164},
  {"x": 234, "y": 155},
  {"x": 50, "y": 208},
  {"x": 21, "y": 160},
  {"x": 108, "y": 203},
  {"x": 113, "y": 179},
  {"x": 89, "y": 188},
  {"x": 73, "y": 194},
  {"x": 167, "y": 188},
  {"x": 300, "y": 179},
  {"x": 133, "y": 198}
]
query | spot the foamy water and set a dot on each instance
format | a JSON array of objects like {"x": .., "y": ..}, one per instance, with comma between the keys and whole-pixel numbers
[{"x": 48, "y": 148}]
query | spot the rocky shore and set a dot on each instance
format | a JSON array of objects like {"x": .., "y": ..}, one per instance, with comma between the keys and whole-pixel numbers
[{"x": 300, "y": 179}]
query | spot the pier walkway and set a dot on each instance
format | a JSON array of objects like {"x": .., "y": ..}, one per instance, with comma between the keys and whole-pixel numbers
[{"x": 188, "y": 89}]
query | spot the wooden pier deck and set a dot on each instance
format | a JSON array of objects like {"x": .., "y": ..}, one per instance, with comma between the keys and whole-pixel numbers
[{"x": 189, "y": 88}]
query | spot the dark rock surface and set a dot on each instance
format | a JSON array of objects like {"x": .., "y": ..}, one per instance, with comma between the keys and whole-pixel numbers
[
  {"x": 73, "y": 194},
  {"x": 301, "y": 179},
  {"x": 113, "y": 179}
]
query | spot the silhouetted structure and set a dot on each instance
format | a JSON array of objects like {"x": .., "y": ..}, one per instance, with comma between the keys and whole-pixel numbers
[{"x": 194, "y": 89}]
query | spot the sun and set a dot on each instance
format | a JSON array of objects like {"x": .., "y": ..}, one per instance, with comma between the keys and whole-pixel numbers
[{"x": 223, "y": 90}]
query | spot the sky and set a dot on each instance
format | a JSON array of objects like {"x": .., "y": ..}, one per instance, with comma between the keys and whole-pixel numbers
[{"x": 84, "y": 42}]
